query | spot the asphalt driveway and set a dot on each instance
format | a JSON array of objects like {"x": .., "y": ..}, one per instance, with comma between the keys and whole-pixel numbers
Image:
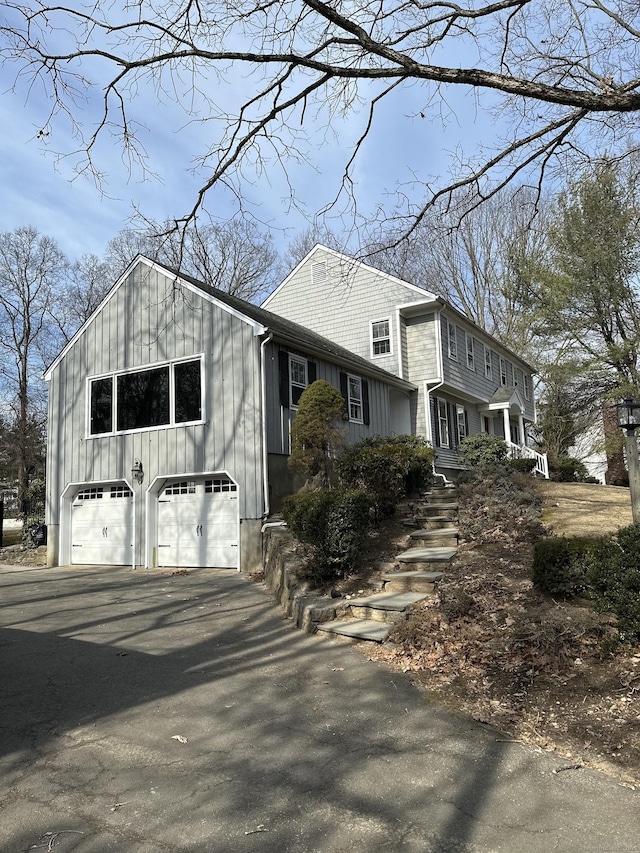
[{"x": 146, "y": 712}]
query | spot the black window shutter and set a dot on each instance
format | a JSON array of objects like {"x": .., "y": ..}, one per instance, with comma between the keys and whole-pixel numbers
[
  {"x": 283, "y": 365},
  {"x": 312, "y": 371},
  {"x": 343, "y": 389},
  {"x": 365, "y": 402}
]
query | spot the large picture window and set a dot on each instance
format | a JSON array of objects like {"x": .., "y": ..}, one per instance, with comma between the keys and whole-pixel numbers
[{"x": 167, "y": 395}]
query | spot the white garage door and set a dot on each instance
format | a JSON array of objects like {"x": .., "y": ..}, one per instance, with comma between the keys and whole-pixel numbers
[
  {"x": 198, "y": 523},
  {"x": 102, "y": 526}
]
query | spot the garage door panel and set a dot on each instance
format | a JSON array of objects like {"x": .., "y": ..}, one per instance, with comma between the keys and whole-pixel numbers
[
  {"x": 102, "y": 526},
  {"x": 198, "y": 526}
]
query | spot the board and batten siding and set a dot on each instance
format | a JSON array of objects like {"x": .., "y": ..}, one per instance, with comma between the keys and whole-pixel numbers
[
  {"x": 344, "y": 305},
  {"x": 150, "y": 320},
  {"x": 279, "y": 418}
]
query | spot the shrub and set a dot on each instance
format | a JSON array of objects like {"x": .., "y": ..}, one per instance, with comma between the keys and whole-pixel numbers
[
  {"x": 482, "y": 450},
  {"x": 316, "y": 435},
  {"x": 335, "y": 523},
  {"x": 614, "y": 580},
  {"x": 523, "y": 466},
  {"x": 387, "y": 469},
  {"x": 567, "y": 469},
  {"x": 561, "y": 564},
  {"x": 498, "y": 505}
]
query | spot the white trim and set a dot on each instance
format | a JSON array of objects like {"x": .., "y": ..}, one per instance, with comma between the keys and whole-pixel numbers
[
  {"x": 399, "y": 348},
  {"x": 439, "y": 351}
]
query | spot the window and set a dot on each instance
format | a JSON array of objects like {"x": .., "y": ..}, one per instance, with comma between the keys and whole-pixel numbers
[
  {"x": 186, "y": 487},
  {"x": 120, "y": 492},
  {"x": 380, "y": 337},
  {"x": 443, "y": 423},
  {"x": 452, "y": 343},
  {"x": 503, "y": 371},
  {"x": 471, "y": 362},
  {"x": 519, "y": 378},
  {"x": 462, "y": 422},
  {"x": 221, "y": 484},
  {"x": 488, "y": 370},
  {"x": 527, "y": 387},
  {"x": 297, "y": 378},
  {"x": 92, "y": 494},
  {"x": 354, "y": 402},
  {"x": 167, "y": 395}
]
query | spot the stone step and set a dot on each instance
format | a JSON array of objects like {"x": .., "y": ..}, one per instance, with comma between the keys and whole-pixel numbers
[
  {"x": 440, "y": 535},
  {"x": 384, "y": 607},
  {"x": 413, "y": 581},
  {"x": 439, "y": 508},
  {"x": 357, "y": 629},
  {"x": 427, "y": 555},
  {"x": 440, "y": 522}
]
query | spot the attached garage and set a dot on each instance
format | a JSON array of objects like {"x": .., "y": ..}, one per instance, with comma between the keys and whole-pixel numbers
[
  {"x": 102, "y": 526},
  {"x": 198, "y": 523}
]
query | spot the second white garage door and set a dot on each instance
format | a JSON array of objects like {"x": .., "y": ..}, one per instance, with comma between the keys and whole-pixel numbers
[{"x": 198, "y": 523}]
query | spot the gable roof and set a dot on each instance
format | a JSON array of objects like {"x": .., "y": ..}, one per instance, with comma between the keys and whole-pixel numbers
[
  {"x": 427, "y": 299},
  {"x": 262, "y": 321},
  {"x": 345, "y": 259}
]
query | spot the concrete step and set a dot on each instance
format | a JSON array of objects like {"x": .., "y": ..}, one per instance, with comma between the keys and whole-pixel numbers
[
  {"x": 412, "y": 581},
  {"x": 427, "y": 555},
  {"x": 387, "y": 607},
  {"x": 357, "y": 629}
]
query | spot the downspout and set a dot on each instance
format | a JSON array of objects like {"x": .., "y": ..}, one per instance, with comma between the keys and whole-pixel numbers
[
  {"x": 263, "y": 399},
  {"x": 439, "y": 384}
]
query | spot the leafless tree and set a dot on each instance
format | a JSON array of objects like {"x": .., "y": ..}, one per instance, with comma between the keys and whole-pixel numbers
[
  {"x": 31, "y": 269},
  {"x": 235, "y": 256},
  {"x": 561, "y": 75}
]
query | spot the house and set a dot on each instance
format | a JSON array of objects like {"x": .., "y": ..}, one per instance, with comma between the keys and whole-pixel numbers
[
  {"x": 169, "y": 421},
  {"x": 467, "y": 381}
]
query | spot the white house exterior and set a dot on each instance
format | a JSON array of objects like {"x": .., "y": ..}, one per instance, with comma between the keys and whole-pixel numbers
[
  {"x": 169, "y": 420},
  {"x": 467, "y": 381}
]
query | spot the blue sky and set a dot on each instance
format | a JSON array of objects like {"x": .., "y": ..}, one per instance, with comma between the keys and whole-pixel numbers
[{"x": 40, "y": 192}]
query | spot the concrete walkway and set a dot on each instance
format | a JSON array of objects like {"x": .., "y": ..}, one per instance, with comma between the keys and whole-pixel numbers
[{"x": 147, "y": 712}]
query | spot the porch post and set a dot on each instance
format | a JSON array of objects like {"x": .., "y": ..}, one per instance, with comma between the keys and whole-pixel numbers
[
  {"x": 521, "y": 432},
  {"x": 507, "y": 425}
]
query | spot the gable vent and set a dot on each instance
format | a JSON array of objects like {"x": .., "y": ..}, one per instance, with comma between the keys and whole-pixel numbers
[{"x": 319, "y": 272}]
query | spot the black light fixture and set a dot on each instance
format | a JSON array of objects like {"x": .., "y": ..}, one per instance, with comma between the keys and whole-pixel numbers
[
  {"x": 137, "y": 472},
  {"x": 628, "y": 415}
]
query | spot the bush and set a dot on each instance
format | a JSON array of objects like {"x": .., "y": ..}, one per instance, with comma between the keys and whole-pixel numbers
[
  {"x": 316, "y": 432},
  {"x": 387, "y": 469},
  {"x": 335, "y": 523},
  {"x": 523, "y": 466},
  {"x": 482, "y": 450},
  {"x": 614, "y": 581},
  {"x": 561, "y": 564},
  {"x": 567, "y": 469}
]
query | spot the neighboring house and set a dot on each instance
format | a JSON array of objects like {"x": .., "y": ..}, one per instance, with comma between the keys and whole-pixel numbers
[
  {"x": 169, "y": 422},
  {"x": 467, "y": 381}
]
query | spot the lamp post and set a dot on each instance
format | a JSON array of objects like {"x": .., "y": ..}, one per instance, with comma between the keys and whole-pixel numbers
[{"x": 628, "y": 414}]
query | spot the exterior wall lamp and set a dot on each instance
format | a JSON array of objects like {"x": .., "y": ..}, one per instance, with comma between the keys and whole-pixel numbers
[
  {"x": 136, "y": 472},
  {"x": 628, "y": 417}
]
